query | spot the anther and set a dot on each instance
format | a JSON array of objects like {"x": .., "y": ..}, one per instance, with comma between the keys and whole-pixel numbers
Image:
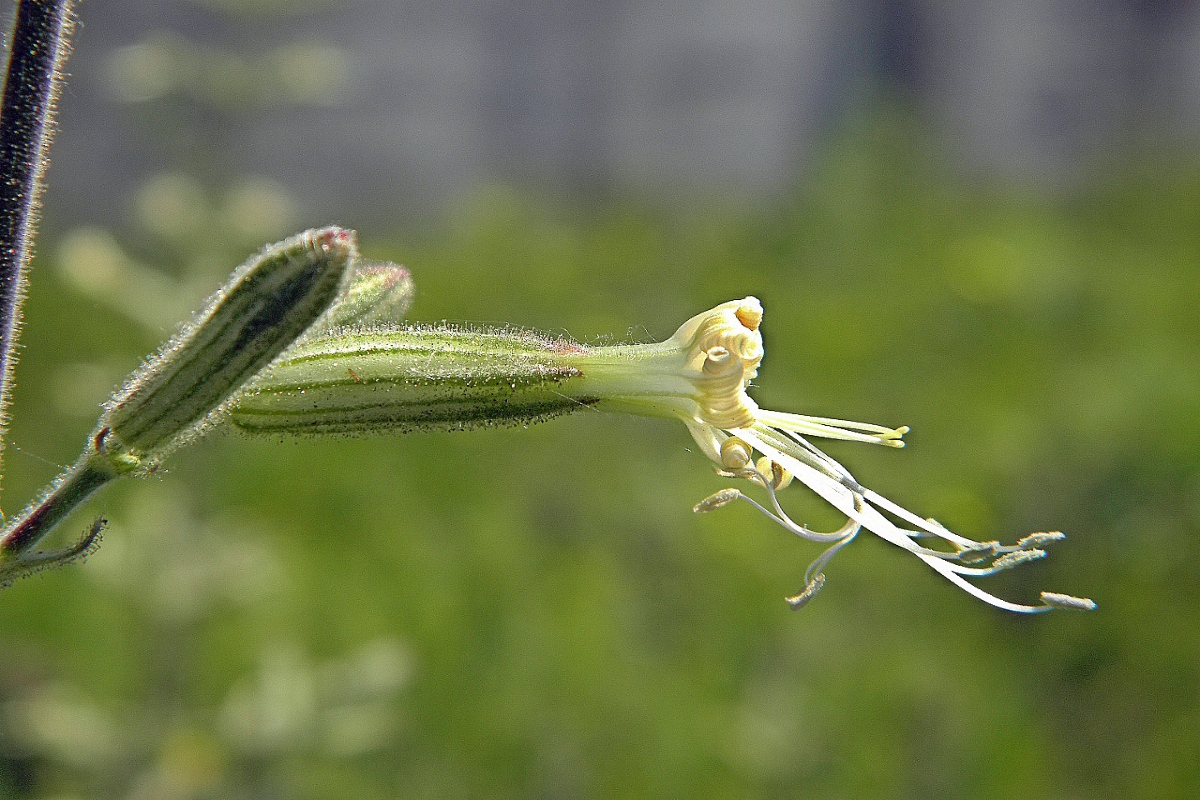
[
  {"x": 799, "y": 601},
  {"x": 715, "y": 501},
  {"x": 980, "y": 552},
  {"x": 1014, "y": 559},
  {"x": 1036, "y": 540},
  {"x": 1067, "y": 601}
]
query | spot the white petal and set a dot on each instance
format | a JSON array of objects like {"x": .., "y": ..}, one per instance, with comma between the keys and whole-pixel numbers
[
  {"x": 972, "y": 589},
  {"x": 834, "y": 493},
  {"x": 924, "y": 524},
  {"x": 814, "y": 426}
]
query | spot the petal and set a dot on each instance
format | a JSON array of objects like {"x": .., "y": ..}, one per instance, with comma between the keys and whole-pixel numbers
[
  {"x": 832, "y": 428},
  {"x": 844, "y": 499}
]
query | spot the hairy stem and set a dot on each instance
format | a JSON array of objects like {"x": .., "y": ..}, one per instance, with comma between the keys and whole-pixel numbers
[
  {"x": 38, "y": 48},
  {"x": 73, "y": 487}
]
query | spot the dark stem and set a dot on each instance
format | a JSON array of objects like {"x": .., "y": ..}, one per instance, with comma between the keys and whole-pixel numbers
[{"x": 38, "y": 48}]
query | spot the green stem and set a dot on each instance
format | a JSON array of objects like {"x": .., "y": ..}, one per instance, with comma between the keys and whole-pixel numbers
[{"x": 89, "y": 473}]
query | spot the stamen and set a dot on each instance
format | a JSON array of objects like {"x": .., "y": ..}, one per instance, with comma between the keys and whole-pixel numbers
[
  {"x": 825, "y": 477},
  {"x": 949, "y": 572},
  {"x": 726, "y": 496},
  {"x": 833, "y": 429},
  {"x": 818, "y": 565},
  {"x": 931, "y": 526},
  {"x": 859, "y": 426}
]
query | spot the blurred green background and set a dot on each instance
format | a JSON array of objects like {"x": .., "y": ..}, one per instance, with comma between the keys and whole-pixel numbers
[{"x": 537, "y": 613}]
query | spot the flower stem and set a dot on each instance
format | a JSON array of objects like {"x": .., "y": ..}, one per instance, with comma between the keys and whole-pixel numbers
[{"x": 93, "y": 469}]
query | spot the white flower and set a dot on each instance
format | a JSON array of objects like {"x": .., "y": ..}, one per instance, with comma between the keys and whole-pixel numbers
[
  {"x": 384, "y": 377},
  {"x": 700, "y": 376}
]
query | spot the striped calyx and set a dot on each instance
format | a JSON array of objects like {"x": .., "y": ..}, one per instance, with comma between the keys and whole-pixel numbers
[
  {"x": 388, "y": 378},
  {"x": 267, "y": 304}
]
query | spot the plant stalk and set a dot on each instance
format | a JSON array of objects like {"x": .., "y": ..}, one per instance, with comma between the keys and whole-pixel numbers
[{"x": 38, "y": 48}]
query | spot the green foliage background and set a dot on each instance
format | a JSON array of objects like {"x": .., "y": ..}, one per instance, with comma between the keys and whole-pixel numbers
[{"x": 537, "y": 613}]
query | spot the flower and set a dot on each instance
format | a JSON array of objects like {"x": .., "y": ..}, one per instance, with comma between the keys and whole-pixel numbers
[
  {"x": 382, "y": 377},
  {"x": 700, "y": 376}
]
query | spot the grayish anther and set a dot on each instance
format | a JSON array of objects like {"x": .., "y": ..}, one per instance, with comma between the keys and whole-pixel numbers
[
  {"x": 1016, "y": 559},
  {"x": 1035, "y": 541},
  {"x": 1068, "y": 602},
  {"x": 815, "y": 585},
  {"x": 980, "y": 552},
  {"x": 716, "y": 500}
]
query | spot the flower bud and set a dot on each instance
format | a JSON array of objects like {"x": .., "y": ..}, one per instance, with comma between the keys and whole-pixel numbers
[
  {"x": 378, "y": 292},
  {"x": 267, "y": 303}
]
